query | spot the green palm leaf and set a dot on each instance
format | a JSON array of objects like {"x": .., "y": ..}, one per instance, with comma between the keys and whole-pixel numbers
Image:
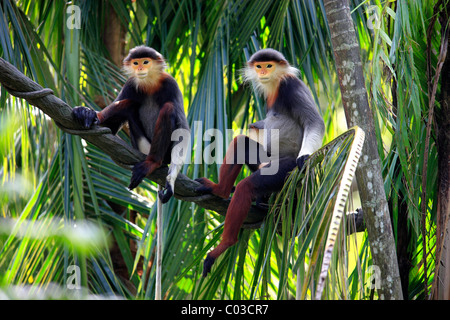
[{"x": 64, "y": 180}]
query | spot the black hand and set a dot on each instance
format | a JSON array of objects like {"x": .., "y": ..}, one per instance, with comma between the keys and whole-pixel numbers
[
  {"x": 301, "y": 161},
  {"x": 85, "y": 117}
]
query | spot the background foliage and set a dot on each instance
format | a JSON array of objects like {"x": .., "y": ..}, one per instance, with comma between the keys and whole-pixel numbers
[{"x": 53, "y": 183}]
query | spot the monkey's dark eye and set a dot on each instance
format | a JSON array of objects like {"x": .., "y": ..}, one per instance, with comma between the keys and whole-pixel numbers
[
  {"x": 269, "y": 66},
  {"x": 258, "y": 66},
  {"x": 135, "y": 63},
  {"x": 146, "y": 62}
]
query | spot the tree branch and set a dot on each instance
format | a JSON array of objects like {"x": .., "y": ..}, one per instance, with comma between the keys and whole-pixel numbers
[{"x": 17, "y": 84}]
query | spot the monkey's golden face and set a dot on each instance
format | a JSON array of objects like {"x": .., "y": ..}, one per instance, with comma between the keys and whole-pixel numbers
[
  {"x": 141, "y": 67},
  {"x": 146, "y": 72},
  {"x": 266, "y": 75},
  {"x": 264, "y": 70}
]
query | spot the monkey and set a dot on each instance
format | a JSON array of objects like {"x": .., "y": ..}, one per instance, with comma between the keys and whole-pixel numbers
[
  {"x": 152, "y": 104},
  {"x": 291, "y": 110}
]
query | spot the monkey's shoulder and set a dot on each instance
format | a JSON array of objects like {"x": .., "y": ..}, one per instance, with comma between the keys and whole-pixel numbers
[
  {"x": 130, "y": 91},
  {"x": 291, "y": 84},
  {"x": 169, "y": 91},
  {"x": 293, "y": 93}
]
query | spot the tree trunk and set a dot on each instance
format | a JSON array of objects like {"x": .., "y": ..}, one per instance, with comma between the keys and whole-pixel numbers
[
  {"x": 441, "y": 286},
  {"x": 368, "y": 174},
  {"x": 113, "y": 35}
]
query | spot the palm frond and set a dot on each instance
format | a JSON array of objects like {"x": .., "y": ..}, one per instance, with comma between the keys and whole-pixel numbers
[{"x": 205, "y": 44}]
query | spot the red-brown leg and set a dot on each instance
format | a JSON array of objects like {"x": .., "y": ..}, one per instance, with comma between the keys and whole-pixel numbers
[
  {"x": 236, "y": 214},
  {"x": 252, "y": 187},
  {"x": 237, "y": 154}
]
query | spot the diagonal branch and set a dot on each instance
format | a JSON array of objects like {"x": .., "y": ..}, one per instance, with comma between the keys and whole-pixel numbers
[{"x": 17, "y": 84}]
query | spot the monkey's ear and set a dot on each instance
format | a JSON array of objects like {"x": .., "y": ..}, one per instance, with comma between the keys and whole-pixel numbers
[{"x": 282, "y": 62}]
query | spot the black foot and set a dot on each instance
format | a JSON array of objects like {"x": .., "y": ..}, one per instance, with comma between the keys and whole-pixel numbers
[
  {"x": 85, "y": 117},
  {"x": 140, "y": 171},
  {"x": 207, "y": 264},
  {"x": 166, "y": 193},
  {"x": 204, "y": 188},
  {"x": 301, "y": 161}
]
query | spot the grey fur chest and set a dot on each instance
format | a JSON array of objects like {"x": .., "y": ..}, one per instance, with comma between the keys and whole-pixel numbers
[
  {"x": 285, "y": 131},
  {"x": 148, "y": 113}
]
